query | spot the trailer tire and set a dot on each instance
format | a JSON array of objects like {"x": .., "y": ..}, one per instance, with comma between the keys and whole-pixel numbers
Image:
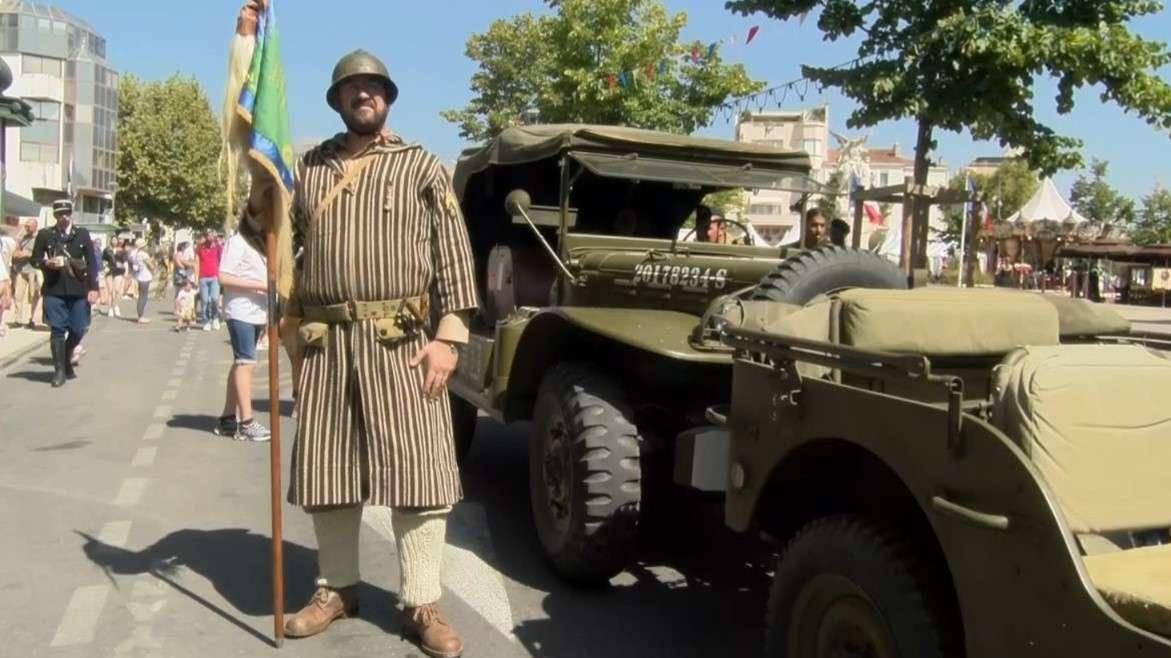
[
  {"x": 585, "y": 477},
  {"x": 800, "y": 278}
]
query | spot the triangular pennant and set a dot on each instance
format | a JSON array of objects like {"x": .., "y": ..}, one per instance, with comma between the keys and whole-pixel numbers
[
  {"x": 612, "y": 81},
  {"x": 650, "y": 71},
  {"x": 711, "y": 50},
  {"x": 751, "y": 34},
  {"x": 695, "y": 54},
  {"x": 622, "y": 80},
  {"x": 663, "y": 66}
]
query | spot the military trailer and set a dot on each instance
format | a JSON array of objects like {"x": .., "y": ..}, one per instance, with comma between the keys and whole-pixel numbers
[
  {"x": 952, "y": 473},
  {"x": 591, "y": 310}
]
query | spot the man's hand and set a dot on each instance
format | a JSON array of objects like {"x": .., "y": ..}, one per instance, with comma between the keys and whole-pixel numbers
[
  {"x": 246, "y": 22},
  {"x": 440, "y": 359},
  {"x": 55, "y": 263},
  {"x": 92, "y": 297}
]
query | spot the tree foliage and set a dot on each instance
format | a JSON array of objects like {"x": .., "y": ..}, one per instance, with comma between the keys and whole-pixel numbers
[
  {"x": 1004, "y": 191},
  {"x": 1153, "y": 225},
  {"x": 559, "y": 64},
  {"x": 1096, "y": 200},
  {"x": 830, "y": 201},
  {"x": 953, "y": 65},
  {"x": 168, "y": 154}
]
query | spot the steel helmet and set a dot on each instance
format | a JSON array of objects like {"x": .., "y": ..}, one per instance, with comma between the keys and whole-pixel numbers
[{"x": 358, "y": 63}]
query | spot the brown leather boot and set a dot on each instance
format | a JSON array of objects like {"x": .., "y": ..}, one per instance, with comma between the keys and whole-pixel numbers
[
  {"x": 326, "y": 605},
  {"x": 436, "y": 637}
]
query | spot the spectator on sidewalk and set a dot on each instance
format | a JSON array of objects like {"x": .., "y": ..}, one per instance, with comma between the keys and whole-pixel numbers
[
  {"x": 140, "y": 268},
  {"x": 65, "y": 253},
  {"x": 209, "y": 252},
  {"x": 243, "y": 276},
  {"x": 184, "y": 263},
  {"x": 114, "y": 262},
  {"x": 27, "y": 279},
  {"x": 185, "y": 305},
  {"x": 5, "y": 294}
]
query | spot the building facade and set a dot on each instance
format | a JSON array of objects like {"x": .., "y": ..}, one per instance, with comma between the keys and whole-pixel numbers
[{"x": 59, "y": 67}]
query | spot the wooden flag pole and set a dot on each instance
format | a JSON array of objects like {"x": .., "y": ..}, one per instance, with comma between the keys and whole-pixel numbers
[{"x": 274, "y": 419}]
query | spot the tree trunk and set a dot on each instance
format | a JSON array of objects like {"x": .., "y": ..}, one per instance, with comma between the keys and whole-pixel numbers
[{"x": 920, "y": 205}]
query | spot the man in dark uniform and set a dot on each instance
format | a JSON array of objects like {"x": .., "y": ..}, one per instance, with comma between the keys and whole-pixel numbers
[{"x": 65, "y": 254}]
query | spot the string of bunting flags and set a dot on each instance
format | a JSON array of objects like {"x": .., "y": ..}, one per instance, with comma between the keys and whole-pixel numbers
[
  {"x": 774, "y": 96},
  {"x": 697, "y": 56}
]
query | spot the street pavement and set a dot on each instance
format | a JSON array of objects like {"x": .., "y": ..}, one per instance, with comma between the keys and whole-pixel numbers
[{"x": 132, "y": 530}]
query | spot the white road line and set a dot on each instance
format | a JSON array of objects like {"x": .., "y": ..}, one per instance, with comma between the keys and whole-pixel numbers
[
  {"x": 130, "y": 492},
  {"x": 465, "y": 573},
  {"x": 81, "y": 616},
  {"x": 115, "y": 533},
  {"x": 153, "y": 432},
  {"x": 178, "y": 372},
  {"x": 163, "y": 411},
  {"x": 170, "y": 395},
  {"x": 144, "y": 457},
  {"x": 181, "y": 364},
  {"x": 175, "y": 383}
]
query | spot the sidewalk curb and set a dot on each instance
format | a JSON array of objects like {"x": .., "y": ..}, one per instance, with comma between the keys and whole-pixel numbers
[{"x": 11, "y": 359}]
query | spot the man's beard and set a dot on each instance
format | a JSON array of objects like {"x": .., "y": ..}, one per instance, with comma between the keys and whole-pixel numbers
[{"x": 364, "y": 127}]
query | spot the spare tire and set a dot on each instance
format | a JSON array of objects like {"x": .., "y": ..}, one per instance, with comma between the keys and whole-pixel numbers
[{"x": 800, "y": 278}]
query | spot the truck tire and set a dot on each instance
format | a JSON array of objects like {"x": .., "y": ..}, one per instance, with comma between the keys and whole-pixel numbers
[
  {"x": 463, "y": 425},
  {"x": 802, "y": 277},
  {"x": 584, "y": 474},
  {"x": 844, "y": 587}
]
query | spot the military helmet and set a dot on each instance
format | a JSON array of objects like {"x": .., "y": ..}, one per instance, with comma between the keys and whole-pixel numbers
[{"x": 358, "y": 63}]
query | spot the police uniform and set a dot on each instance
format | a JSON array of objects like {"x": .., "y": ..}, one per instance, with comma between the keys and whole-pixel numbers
[
  {"x": 384, "y": 250},
  {"x": 65, "y": 288}
]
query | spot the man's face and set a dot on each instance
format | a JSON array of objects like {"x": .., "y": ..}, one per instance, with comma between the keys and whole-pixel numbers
[
  {"x": 815, "y": 230},
  {"x": 714, "y": 229},
  {"x": 362, "y": 102},
  {"x": 30, "y": 228},
  {"x": 63, "y": 219}
]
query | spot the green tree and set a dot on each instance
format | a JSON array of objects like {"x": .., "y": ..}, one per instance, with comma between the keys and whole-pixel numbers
[
  {"x": 558, "y": 66},
  {"x": 1004, "y": 191},
  {"x": 835, "y": 189},
  {"x": 727, "y": 202},
  {"x": 1095, "y": 199},
  {"x": 972, "y": 65},
  {"x": 1154, "y": 222},
  {"x": 168, "y": 154}
]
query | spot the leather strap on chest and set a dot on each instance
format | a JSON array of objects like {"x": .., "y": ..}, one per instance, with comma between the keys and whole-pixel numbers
[{"x": 355, "y": 170}]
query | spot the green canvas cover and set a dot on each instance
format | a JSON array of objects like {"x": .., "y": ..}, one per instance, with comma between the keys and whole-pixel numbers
[
  {"x": 1082, "y": 318},
  {"x": 1091, "y": 420},
  {"x": 1137, "y": 584},
  {"x": 945, "y": 322},
  {"x": 521, "y": 144}
]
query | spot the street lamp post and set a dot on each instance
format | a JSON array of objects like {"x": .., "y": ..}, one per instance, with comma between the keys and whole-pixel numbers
[{"x": 14, "y": 112}]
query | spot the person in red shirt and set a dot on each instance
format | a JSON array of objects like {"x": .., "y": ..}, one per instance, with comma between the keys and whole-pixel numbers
[{"x": 208, "y": 254}]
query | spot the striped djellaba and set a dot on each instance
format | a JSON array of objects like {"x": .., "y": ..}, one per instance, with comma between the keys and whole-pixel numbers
[{"x": 366, "y": 432}]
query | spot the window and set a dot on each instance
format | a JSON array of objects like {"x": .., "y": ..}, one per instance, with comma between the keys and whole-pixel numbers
[
  {"x": 811, "y": 146},
  {"x": 46, "y": 110},
  {"x": 42, "y": 65},
  {"x": 884, "y": 179},
  {"x": 34, "y": 152}
]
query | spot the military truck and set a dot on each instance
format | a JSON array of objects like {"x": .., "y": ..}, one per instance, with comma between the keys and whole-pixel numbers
[
  {"x": 592, "y": 310},
  {"x": 951, "y": 473}
]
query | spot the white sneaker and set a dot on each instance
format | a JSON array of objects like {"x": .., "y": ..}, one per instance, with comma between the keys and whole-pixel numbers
[
  {"x": 215, "y": 324},
  {"x": 109, "y": 312},
  {"x": 117, "y": 312},
  {"x": 207, "y": 326}
]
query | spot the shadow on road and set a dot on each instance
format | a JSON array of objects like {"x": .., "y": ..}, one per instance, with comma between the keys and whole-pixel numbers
[
  {"x": 41, "y": 376},
  {"x": 237, "y": 563},
  {"x": 197, "y": 422},
  {"x": 695, "y": 588}
]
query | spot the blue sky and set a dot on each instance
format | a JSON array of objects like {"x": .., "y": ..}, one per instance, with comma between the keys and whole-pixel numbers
[{"x": 423, "y": 44}]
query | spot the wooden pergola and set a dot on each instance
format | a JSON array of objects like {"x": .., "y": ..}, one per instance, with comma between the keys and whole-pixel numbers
[{"x": 913, "y": 251}]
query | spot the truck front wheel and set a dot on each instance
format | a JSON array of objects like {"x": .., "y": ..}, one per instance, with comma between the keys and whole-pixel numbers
[
  {"x": 844, "y": 587},
  {"x": 584, "y": 473}
]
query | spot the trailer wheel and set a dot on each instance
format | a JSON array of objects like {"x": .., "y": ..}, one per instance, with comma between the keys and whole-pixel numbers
[
  {"x": 463, "y": 426},
  {"x": 584, "y": 474},
  {"x": 844, "y": 587},
  {"x": 802, "y": 277}
]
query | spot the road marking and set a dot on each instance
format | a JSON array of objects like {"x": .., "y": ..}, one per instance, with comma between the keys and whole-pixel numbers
[
  {"x": 181, "y": 364},
  {"x": 170, "y": 395},
  {"x": 144, "y": 457},
  {"x": 81, "y": 616},
  {"x": 130, "y": 492},
  {"x": 163, "y": 411},
  {"x": 115, "y": 533},
  {"x": 465, "y": 573},
  {"x": 153, "y": 432},
  {"x": 178, "y": 372},
  {"x": 175, "y": 383}
]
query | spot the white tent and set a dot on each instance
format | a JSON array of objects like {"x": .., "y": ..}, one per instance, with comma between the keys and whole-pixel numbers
[{"x": 1046, "y": 203}]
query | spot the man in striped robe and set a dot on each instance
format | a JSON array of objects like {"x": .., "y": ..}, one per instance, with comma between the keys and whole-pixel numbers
[{"x": 383, "y": 238}]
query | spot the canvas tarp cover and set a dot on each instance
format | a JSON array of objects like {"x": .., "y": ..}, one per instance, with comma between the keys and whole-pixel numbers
[
  {"x": 521, "y": 144},
  {"x": 1089, "y": 417}
]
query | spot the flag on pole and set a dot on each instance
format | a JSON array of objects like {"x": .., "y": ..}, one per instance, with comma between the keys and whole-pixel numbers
[{"x": 873, "y": 215}]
